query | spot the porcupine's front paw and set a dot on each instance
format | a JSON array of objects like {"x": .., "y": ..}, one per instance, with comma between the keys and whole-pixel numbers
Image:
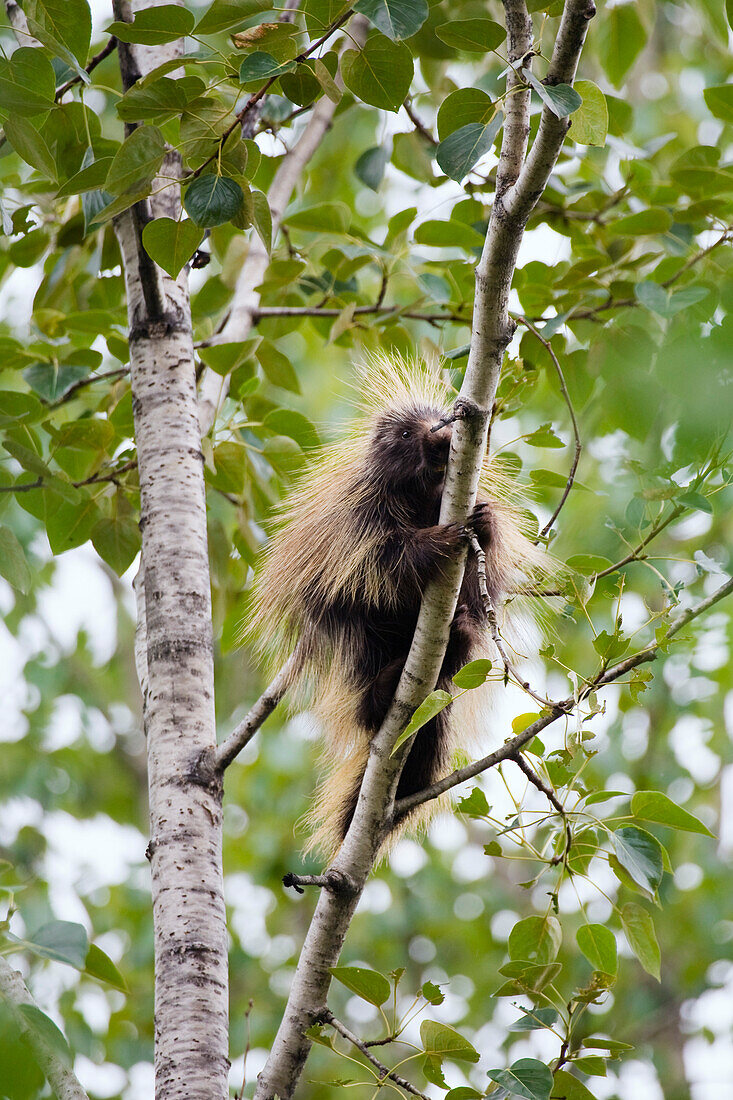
[{"x": 481, "y": 521}]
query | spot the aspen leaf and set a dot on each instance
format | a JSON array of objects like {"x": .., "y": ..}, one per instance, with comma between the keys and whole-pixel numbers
[
  {"x": 171, "y": 243},
  {"x": 380, "y": 73},
  {"x": 435, "y": 702},
  {"x": 370, "y": 985},
  {"x": 397, "y": 19}
]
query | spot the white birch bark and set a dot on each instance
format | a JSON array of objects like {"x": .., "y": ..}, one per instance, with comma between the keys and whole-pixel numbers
[
  {"x": 191, "y": 996},
  {"x": 523, "y": 182}
]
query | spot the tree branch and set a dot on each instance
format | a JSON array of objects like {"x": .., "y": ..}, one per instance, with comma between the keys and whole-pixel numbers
[
  {"x": 538, "y": 782},
  {"x": 509, "y": 750},
  {"x": 576, "y": 431},
  {"x": 228, "y": 750},
  {"x": 327, "y": 1017},
  {"x": 106, "y": 50},
  {"x": 62, "y": 1079}
]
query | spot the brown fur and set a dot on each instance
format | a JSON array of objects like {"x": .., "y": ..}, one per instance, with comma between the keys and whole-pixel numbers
[{"x": 345, "y": 574}]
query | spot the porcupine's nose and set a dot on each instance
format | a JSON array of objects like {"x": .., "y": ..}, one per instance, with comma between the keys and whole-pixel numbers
[{"x": 439, "y": 441}]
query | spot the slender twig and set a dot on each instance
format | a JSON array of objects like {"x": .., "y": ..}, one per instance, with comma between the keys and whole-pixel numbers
[
  {"x": 76, "y": 386},
  {"x": 247, "y": 728},
  {"x": 509, "y": 669},
  {"x": 636, "y": 554},
  {"x": 95, "y": 479},
  {"x": 327, "y": 1017},
  {"x": 623, "y": 303},
  {"x": 538, "y": 782},
  {"x": 563, "y": 707},
  {"x": 106, "y": 50},
  {"x": 417, "y": 123},
  {"x": 255, "y": 98},
  {"x": 332, "y": 880},
  {"x": 576, "y": 431},
  {"x": 360, "y": 311}
]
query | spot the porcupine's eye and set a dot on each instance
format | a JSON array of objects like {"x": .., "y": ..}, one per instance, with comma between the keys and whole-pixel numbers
[{"x": 405, "y": 435}]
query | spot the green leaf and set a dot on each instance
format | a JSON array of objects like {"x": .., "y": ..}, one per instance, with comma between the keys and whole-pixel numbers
[
  {"x": 590, "y": 120},
  {"x": 435, "y": 702},
  {"x": 27, "y": 83},
  {"x": 321, "y": 217},
  {"x": 69, "y": 524},
  {"x": 620, "y": 39},
  {"x": 588, "y": 564},
  {"x": 262, "y": 218},
  {"x": 99, "y": 965},
  {"x": 370, "y": 985},
  {"x": 117, "y": 541},
  {"x": 136, "y": 161},
  {"x": 212, "y": 200},
  {"x": 561, "y": 99},
  {"x": 13, "y": 564},
  {"x": 432, "y": 993},
  {"x": 51, "y": 381},
  {"x": 370, "y": 166},
  {"x": 474, "y": 804},
  {"x": 719, "y": 100},
  {"x": 471, "y": 35},
  {"x": 61, "y": 940},
  {"x": 379, "y": 74},
  {"x": 396, "y": 18},
  {"x": 223, "y": 15},
  {"x": 277, "y": 367},
  {"x": 224, "y": 358},
  {"x": 47, "y": 1031},
  {"x": 527, "y": 1078},
  {"x": 448, "y": 235},
  {"x": 598, "y": 944},
  {"x": 171, "y": 243},
  {"x": 154, "y": 26},
  {"x": 64, "y": 22},
  {"x": 544, "y": 437},
  {"x": 474, "y": 674},
  {"x": 534, "y": 1019},
  {"x": 655, "y": 806},
  {"x": 445, "y": 1042},
  {"x": 523, "y": 721},
  {"x": 536, "y": 939},
  {"x": 293, "y": 424},
  {"x": 640, "y": 854},
  {"x": 29, "y": 144},
  {"x": 161, "y": 100},
  {"x": 569, "y": 1087},
  {"x": 261, "y": 66},
  {"x": 463, "y": 148},
  {"x": 643, "y": 222},
  {"x": 461, "y": 107},
  {"x": 639, "y": 930}
]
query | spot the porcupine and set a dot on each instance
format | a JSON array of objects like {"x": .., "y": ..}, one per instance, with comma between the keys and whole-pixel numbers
[{"x": 344, "y": 576}]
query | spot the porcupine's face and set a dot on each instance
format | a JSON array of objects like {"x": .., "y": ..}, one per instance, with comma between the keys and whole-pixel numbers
[{"x": 407, "y": 453}]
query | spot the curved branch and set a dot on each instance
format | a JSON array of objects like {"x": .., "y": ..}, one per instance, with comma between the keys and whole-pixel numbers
[
  {"x": 327, "y": 1017},
  {"x": 227, "y": 752}
]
